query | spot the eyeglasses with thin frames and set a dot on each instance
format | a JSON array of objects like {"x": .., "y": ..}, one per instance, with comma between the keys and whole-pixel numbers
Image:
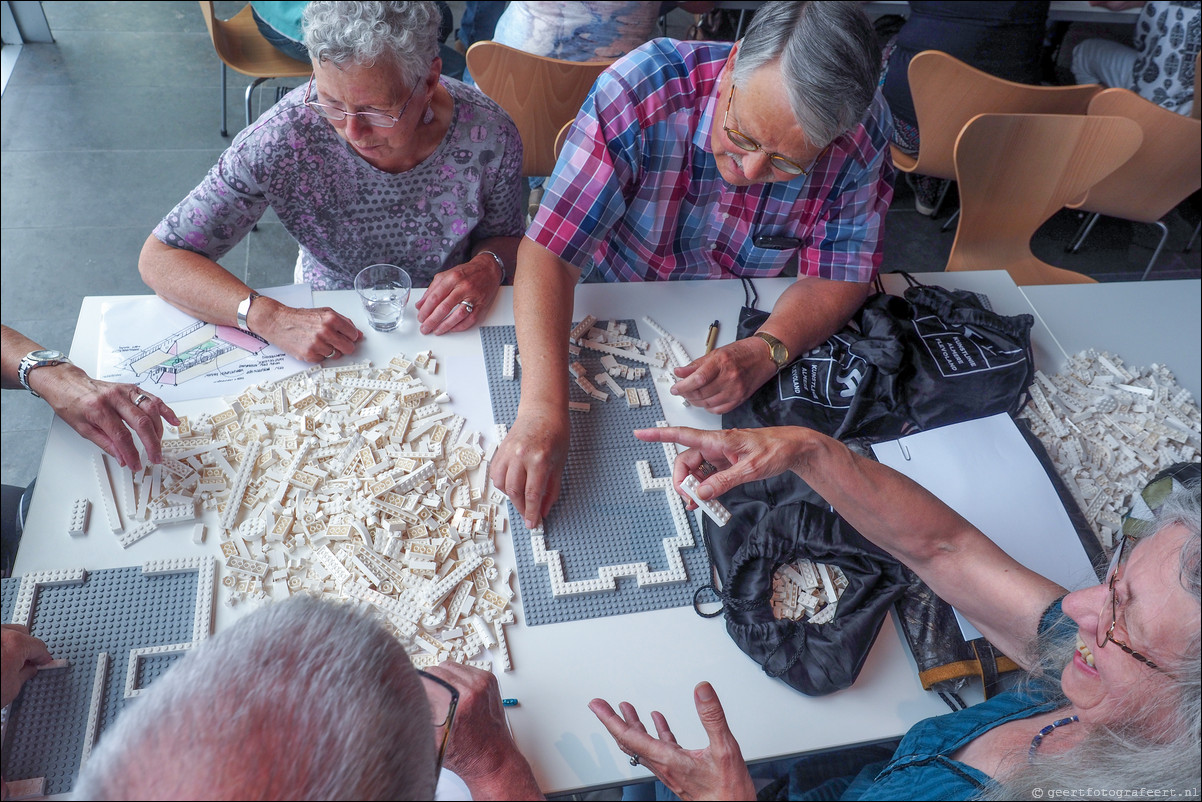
[
  {"x": 376, "y": 119},
  {"x": 1112, "y": 575},
  {"x": 443, "y": 699},
  {"x": 751, "y": 146}
]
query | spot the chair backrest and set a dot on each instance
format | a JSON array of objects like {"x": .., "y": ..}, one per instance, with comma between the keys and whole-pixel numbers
[
  {"x": 948, "y": 93},
  {"x": 540, "y": 94},
  {"x": 241, "y": 47},
  {"x": 1165, "y": 170},
  {"x": 1017, "y": 170}
]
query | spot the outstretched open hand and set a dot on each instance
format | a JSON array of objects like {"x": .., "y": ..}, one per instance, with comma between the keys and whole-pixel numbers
[{"x": 715, "y": 772}]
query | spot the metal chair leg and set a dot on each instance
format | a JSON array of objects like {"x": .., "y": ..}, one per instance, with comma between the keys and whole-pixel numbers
[
  {"x": 249, "y": 92},
  {"x": 1164, "y": 235},
  {"x": 224, "y": 132},
  {"x": 948, "y": 224},
  {"x": 1079, "y": 238}
]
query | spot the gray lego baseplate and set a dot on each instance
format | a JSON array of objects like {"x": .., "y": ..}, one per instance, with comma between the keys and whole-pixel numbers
[
  {"x": 111, "y": 611},
  {"x": 603, "y": 516},
  {"x": 8, "y": 597}
]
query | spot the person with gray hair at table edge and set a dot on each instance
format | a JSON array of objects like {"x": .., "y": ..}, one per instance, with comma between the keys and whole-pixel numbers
[
  {"x": 308, "y": 699},
  {"x": 376, "y": 159},
  {"x": 696, "y": 160}
]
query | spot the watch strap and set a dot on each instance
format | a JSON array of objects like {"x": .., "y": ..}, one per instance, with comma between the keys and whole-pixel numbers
[{"x": 244, "y": 310}]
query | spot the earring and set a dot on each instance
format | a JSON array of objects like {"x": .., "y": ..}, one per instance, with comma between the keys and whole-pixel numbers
[{"x": 428, "y": 117}]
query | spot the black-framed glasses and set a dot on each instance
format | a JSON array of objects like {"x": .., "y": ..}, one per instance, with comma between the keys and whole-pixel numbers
[
  {"x": 443, "y": 699},
  {"x": 376, "y": 119},
  {"x": 1112, "y": 575},
  {"x": 751, "y": 146}
]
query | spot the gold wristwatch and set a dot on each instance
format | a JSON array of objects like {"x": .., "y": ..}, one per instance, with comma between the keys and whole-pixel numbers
[{"x": 776, "y": 349}]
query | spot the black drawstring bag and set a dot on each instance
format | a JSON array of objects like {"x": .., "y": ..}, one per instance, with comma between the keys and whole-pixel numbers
[
  {"x": 769, "y": 526},
  {"x": 933, "y": 357},
  {"x": 928, "y": 359}
]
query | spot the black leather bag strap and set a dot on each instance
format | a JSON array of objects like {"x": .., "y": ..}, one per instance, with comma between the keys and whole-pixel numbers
[{"x": 987, "y": 657}]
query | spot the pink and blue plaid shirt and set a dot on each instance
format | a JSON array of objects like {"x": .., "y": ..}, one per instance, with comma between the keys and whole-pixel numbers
[{"x": 636, "y": 194}]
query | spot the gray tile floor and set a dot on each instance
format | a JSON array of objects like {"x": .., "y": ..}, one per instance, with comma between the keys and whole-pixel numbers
[{"x": 107, "y": 128}]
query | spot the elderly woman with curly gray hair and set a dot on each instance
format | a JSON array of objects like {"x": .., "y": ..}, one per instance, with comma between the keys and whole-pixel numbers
[
  {"x": 378, "y": 158},
  {"x": 1112, "y": 704}
]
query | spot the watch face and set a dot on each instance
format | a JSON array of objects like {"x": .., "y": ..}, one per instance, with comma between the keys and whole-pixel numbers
[
  {"x": 776, "y": 349},
  {"x": 47, "y": 354}
]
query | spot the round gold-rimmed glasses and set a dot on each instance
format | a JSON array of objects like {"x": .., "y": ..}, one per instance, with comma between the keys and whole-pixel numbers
[{"x": 748, "y": 144}]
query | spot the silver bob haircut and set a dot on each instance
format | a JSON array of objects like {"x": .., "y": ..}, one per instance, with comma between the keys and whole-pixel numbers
[
  {"x": 302, "y": 699},
  {"x": 829, "y": 59},
  {"x": 401, "y": 35}
]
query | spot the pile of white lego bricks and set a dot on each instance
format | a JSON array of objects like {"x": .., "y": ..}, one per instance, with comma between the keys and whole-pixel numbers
[
  {"x": 1109, "y": 429},
  {"x": 807, "y": 590},
  {"x": 348, "y": 482},
  {"x": 612, "y": 343}
]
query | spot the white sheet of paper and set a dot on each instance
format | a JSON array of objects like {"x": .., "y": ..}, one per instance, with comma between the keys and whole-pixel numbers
[
  {"x": 984, "y": 470},
  {"x": 148, "y": 342}
]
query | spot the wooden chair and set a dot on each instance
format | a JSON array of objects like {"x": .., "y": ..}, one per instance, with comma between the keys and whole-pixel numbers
[
  {"x": 1165, "y": 170},
  {"x": 1017, "y": 170},
  {"x": 241, "y": 47},
  {"x": 560, "y": 138},
  {"x": 948, "y": 93},
  {"x": 540, "y": 94}
]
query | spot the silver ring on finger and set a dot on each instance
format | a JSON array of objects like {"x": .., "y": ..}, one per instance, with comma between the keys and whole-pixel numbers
[
  {"x": 707, "y": 468},
  {"x": 332, "y": 354},
  {"x": 634, "y": 760},
  {"x": 468, "y": 306},
  {"x": 139, "y": 398}
]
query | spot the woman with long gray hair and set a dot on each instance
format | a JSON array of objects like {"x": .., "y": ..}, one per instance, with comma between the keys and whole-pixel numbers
[
  {"x": 378, "y": 158},
  {"x": 1112, "y": 708}
]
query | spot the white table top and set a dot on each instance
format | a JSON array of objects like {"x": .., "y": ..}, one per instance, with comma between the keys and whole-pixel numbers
[
  {"x": 1141, "y": 321},
  {"x": 652, "y": 659}
]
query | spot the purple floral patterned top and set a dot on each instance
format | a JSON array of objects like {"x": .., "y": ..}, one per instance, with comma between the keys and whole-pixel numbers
[{"x": 346, "y": 214}]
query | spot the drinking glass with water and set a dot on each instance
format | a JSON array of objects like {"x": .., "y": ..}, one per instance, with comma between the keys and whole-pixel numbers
[{"x": 384, "y": 290}]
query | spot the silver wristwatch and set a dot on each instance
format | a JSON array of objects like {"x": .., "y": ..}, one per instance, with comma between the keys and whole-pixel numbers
[
  {"x": 244, "y": 310},
  {"x": 39, "y": 359}
]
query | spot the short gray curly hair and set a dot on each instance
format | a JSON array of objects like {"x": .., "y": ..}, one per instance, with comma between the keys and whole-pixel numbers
[{"x": 403, "y": 35}]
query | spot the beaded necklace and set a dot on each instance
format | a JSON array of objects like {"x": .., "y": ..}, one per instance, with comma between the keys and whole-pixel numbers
[{"x": 1038, "y": 739}]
